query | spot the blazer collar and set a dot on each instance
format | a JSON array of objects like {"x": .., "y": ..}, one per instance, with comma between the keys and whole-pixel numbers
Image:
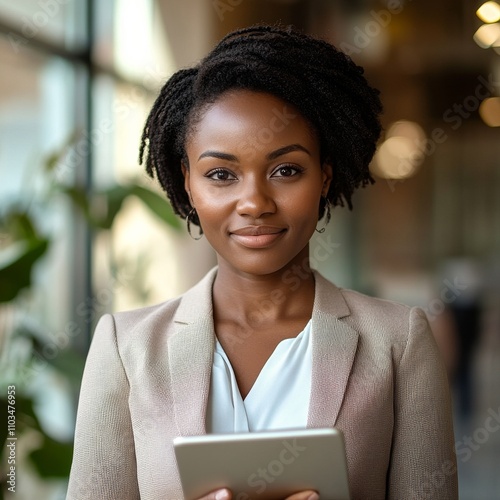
[
  {"x": 191, "y": 348},
  {"x": 334, "y": 348},
  {"x": 190, "y": 355}
]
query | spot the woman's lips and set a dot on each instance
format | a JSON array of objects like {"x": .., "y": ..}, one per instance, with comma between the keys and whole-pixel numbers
[{"x": 257, "y": 236}]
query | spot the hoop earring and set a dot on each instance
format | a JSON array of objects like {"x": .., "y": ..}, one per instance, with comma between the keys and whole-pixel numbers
[
  {"x": 327, "y": 217},
  {"x": 188, "y": 224}
]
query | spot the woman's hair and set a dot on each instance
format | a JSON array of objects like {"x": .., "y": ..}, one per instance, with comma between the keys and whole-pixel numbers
[{"x": 321, "y": 82}]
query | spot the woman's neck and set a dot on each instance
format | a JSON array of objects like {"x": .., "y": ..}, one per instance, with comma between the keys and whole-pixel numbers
[{"x": 286, "y": 295}]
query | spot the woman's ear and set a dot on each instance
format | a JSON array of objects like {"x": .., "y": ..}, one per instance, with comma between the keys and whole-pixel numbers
[
  {"x": 185, "y": 173},
  {"x": 327, "y": 177}
]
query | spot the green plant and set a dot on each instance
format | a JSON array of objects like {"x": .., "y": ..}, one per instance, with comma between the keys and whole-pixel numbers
[{"x": 24, "y": 244}]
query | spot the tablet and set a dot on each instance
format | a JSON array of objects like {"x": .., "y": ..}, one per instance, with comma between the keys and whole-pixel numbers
[{"x": 264, "y": 465}]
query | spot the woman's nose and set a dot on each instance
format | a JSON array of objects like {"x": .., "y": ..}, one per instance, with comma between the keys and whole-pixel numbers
[{"x": 255, "y": 199}]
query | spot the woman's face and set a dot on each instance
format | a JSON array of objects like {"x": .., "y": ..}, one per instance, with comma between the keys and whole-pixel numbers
[{"x": 255, "y": 179}]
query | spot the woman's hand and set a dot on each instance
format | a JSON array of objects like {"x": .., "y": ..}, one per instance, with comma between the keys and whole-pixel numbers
[
  {"x": 304, "y": 495},
  {"x": 225, "y": 494}
]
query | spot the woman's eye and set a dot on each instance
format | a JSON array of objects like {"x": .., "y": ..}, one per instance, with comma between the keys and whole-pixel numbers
[
  {"x": 285, "y": 171},
  {"x": 221, "y": 175}
]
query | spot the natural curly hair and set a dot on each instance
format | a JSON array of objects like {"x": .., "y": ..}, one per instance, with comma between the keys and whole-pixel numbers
[{"x": 320, "y": 81}]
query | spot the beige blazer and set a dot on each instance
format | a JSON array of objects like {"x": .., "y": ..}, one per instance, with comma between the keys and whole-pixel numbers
[{"x": 377, "y": 375}]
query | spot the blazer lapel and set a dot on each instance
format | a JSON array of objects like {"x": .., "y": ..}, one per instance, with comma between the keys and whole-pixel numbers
[
  {"x": 334, "y": 348},
  {"x": 191, "y": 348},
  {"x": 190, "y": 354}
]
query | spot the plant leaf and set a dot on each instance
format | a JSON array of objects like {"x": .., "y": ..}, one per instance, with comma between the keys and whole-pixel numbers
[
  {"x": 114, "y": 198},
  {"x": 104, "y": 207},
  {"x": 53, "y": 159},
  {"x": 16, "y": 263},
  {"x": 18, "y": 224},
  {"x": 67, "y": 360},
  {"x": 25, "y": 416},
  {"x": 79, "y": 198},
  {"x": 158, "y": 205},
  {"x": 69, "y": 363},
  {"x": 53, "y": 458}
]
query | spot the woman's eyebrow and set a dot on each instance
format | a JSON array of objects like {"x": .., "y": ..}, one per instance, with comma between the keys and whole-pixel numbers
[
  {"x": 219, "y": 155},
  {"x": 270, "y": 156},
  {"x": 287, "y": 149}
]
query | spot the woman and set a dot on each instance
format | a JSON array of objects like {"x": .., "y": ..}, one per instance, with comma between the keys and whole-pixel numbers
[{"x": 254, "y": 145}]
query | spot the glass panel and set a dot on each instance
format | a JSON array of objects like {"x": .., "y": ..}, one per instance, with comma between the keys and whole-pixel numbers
[
  {"x": 59, "y": 21},
  {"x": 37, "y": 96},
  {"x": 35, "y": 117},
  {"x": 136, "y": 55},
  {"x": 103, "y": 25},
  {"x": 136, "y": 263},
  {"x": 142, "y": 252}
]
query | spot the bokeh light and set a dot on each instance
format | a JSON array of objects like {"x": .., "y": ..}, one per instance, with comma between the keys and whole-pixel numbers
[
  {"x": 487, "y": 35},
  {"x": 402, "y": 152},
  {"x": 490, "y": 111},
  {"x": 489, "y": 12}
]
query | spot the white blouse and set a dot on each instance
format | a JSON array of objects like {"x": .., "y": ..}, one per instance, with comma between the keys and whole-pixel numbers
[{"x": 279, "y": 398}]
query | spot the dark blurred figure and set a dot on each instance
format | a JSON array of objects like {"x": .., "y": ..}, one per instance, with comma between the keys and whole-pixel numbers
[
  {"x": 463, "y": 295},
  {"x": 467, "y": 319}
]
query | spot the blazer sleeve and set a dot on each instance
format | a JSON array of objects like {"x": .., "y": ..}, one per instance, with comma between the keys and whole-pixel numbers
[
  {"x": 104, "y": 464},
  {"x": 423, "y": 461}
]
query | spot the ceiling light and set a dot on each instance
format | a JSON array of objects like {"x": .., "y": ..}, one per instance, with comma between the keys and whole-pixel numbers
[
  {"x": 490, "y": 111},
  {"x": 406, "y": 128},
  {"x": 489, "y": 12},
  {"x": 487, "y": 35},
  {"x": 396, "y": 159}
]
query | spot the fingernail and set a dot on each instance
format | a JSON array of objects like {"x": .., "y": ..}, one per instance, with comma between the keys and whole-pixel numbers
[
  {"x": 314, "y": 496},
  {"x": 223, "y": 495}
]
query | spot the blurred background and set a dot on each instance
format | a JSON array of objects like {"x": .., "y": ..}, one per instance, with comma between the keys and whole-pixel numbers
[{"x": 84, "y": 231}]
